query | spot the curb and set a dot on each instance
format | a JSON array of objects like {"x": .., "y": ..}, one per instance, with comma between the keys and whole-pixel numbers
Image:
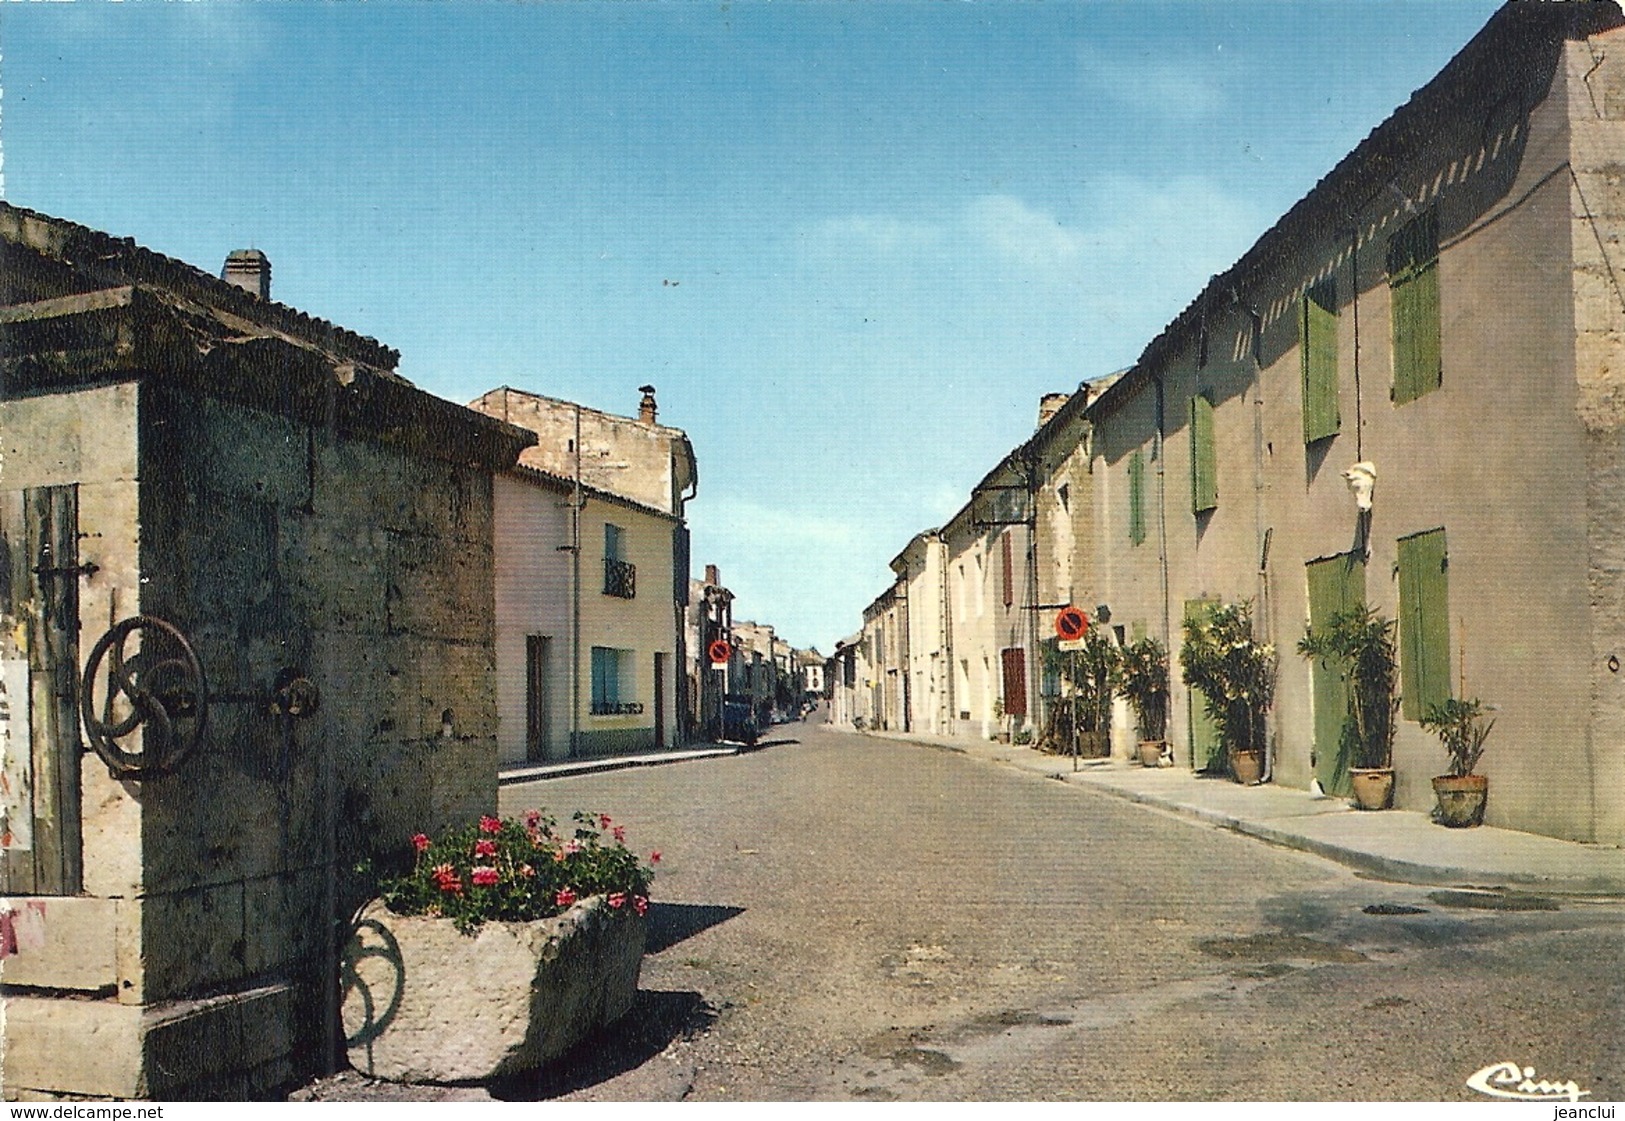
[{"x": 540, "y": 771}]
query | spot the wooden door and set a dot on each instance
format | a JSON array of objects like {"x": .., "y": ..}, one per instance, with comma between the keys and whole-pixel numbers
[
  {"x": 40, "y": 843},
  {"x": 1207, "y": 747}
]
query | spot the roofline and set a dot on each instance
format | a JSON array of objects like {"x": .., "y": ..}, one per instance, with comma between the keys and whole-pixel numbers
[{"x": 560, "y": 482}]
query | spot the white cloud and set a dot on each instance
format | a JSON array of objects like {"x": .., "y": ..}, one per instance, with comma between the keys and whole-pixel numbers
[
  {"x": 1017, "y": 232},
  {"x": 1179, "y": 89}
]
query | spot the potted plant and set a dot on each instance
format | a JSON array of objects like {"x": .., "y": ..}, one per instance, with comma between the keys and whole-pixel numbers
[
  {"x": 1083, "y": 716},
  {"x": 1003, "y": 734},
  {"x": 1142, "y": 678},
  {"x": 1461, "y": 729},
  {"x": 1358, "y": 645},
  {"x": 1236, "y": 675},
  {"x": 505, "y": 944}
]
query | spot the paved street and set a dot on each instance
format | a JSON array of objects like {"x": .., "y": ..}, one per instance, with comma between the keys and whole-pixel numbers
[{"x": 842, "y": 917}]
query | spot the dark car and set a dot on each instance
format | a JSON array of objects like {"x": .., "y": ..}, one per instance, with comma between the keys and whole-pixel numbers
[{"x": 739, "y": 721}]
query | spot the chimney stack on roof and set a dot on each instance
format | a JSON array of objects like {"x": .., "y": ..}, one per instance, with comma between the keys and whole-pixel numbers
[
  {"x": 711, "y": 576},
  {"x": 250, "y": 270},
  {"x": 646, "y": 407},
  {"x": 1050, "y": 404}
]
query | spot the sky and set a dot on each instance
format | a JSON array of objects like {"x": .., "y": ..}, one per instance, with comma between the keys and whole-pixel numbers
[{"x": 850, "y": 244}]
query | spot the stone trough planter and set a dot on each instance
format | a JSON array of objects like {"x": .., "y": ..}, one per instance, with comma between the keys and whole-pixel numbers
[{"x": 424, "y": 1003}]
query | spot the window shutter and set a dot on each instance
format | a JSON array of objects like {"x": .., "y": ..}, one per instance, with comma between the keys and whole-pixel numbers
[
  {"x": 1318, "y": 345},
  {"x": 1424, "y": 623},
  {"x": 1009, "y": 571},
  {"x": 1413, "y": 278},
  {"x": 1204, "y": 462},
  {"x": 1136, "y": 498}
]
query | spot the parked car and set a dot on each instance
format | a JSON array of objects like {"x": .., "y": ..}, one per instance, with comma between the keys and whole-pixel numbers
[{"x": 739, "y": 721}]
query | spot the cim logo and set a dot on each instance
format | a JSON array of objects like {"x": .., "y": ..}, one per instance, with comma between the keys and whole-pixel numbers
[{"x": 1517, "y": 1083}]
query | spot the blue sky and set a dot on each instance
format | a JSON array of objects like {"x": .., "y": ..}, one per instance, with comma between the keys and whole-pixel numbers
[{"x": 851, "y": 244}]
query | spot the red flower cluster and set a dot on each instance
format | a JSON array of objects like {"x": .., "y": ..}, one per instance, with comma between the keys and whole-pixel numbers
[
  {"x": 446, "y": 879},
  {"x": 420, "y": 842},
  {"x": 490, "y": 824},
  {"x": 565, "y": 897},
  {"x": 483, "y": 877},
  {"x": 485, "y": 847}
]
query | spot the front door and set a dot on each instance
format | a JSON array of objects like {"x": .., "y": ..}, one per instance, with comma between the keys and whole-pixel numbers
[
  {"x": 538, "y": 699},
  {"x": 660, "y": 700},
  {"x": 1335, "y": 584},
  {"x": 39, "y": 714}
]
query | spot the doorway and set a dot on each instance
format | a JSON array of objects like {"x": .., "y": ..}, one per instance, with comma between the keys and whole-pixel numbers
[{"x": 538, "y": 697}]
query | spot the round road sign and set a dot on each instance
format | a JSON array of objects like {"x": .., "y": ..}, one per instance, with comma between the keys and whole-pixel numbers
[
  {"x": 1070, "y": 623},
  {"x": 720, "y": 652}
]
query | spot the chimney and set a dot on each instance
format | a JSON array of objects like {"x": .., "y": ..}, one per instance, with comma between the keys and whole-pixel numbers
[
  {"x": 250, "y": 270},
  {"x": 711, "y": 576},
  {"x": 1050, "y": 404},
  {"x": 646, "y": 407}
]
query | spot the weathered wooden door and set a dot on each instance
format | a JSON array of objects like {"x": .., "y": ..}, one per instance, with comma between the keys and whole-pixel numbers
[
  {"x": 538, "y": 697},
  {"x": 1335, "y": 584},
  {"x": 39, "y": 715}
]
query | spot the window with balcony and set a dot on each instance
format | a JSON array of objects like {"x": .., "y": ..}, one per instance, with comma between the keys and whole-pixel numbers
[{"x": 620, "y": 575}]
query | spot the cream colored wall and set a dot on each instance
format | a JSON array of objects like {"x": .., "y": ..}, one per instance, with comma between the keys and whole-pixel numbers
[
  {"x": 645, "y": 624},
  {"x": 532, "y": 598}
]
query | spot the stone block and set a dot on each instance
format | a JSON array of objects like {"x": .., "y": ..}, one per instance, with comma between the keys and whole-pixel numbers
[
  {"x": 334, "y": 573},
  {"x": 110, "y": 827},
  {"x": 84, "y": 1047},
  {"x": 79, "y": 949},
  {"x": 86, "y": 436},
  {"x": 283, "y": 921},
  {"x": 193, "y": 941},
  {"x": 423, "y": 1003},
  {"x": 244, "y": 453},
  {"x": 197, "y": 1049}
]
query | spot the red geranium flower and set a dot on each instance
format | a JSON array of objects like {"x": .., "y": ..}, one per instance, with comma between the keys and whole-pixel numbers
[
  {"x": 446, "y": 879},
  {"x": 654, "y": 857},
  {"x": 619, "y": 833},
  {"x": 483, "y": 877},
  {"x": 490, "y": 824},
  {"x": 617, "y": 899},
  {"x": 420, "y": 841},
  {"x": 484, "y": 847},
  {"x": 533, "y": 818},
  {"x": 603, "y": 821},
  {"x": 565, "y": 897},
  {"x": 640, "y": 904}
]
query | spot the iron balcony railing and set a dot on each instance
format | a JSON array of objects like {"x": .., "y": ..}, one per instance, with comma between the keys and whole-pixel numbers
[{"x": 620, "y": 578}]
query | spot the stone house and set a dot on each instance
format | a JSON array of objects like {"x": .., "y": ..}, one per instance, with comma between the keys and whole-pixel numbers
[
  {"x": 1444, "y": 313},
  {"x": 247, "y": 644},
  {"x": 591, "y": 580},
  {"x": 708, "y": 618}
]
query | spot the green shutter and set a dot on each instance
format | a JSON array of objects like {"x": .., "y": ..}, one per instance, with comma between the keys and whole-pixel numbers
[
  {"x": 1204, "y": 460},
  {"x": 1413, "y": 279},
  {"x": 1207, "y": 749},
  {"x": 1335, "y": 584},
  {"x": 1318, "y": 346},
  {"x": 1424, "y": 623},
  {"x": 1136, "y": 497}
]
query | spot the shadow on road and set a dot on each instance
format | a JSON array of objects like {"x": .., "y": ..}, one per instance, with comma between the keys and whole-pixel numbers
[
  {"x": 671, "y": 923},
  {"x": 654, "y": 1022}
]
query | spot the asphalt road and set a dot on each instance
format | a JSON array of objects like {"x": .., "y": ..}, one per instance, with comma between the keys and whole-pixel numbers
[{"x": 839, "y": 917}]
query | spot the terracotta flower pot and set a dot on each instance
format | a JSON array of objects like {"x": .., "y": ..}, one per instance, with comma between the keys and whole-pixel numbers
[
  {"x": 1247, "y": 766},
  {"x": 1461, "y": 800},
  {"x": 1151, "y": 752},
  {"x": 1373, "y": 787}
]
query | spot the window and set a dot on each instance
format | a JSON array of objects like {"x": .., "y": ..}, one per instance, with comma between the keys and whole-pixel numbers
[
  {"x": 620, "y": 576},
  {"x": 1424, "y": 622},
  {"x": 614, "y": 682},
  {"x": 1050, "y": 685},
  {"x": 1317, "y": 343},
  {"x": 1204, "y": 458},
  {"x": 1136, "y": 497},
  {"x": 1413, "y": 283}
]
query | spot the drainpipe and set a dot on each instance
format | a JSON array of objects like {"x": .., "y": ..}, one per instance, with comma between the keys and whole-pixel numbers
[
  {"x": 575, "y": 598},
  {"x": 1261, "y": 532}
]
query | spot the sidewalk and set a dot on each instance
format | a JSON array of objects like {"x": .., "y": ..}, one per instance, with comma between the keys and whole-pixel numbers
[
  {"x": 1400, "y": 845},
  {"x": 530, "y": 772}
]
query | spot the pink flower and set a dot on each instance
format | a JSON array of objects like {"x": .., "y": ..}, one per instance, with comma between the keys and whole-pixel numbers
[
  {"x": 527, "y": 871},
  {"x": 446, "y": 879},
  {"x": 533, "y": 819},
  {"x": 483, "y": 877},
  {"x": 565, "y": 897},
  {"x": 572, "y": 847},
  {"x": 420, "y": 841},
  {"x": 603, "y": 821},
  {"x": 617, "y": 899},
  {"x": 485, "y": 847},
  {"x": 654, "y": 857},
  {"x": 558, "y": 857},
  {"x": 640, "y": 904},
  {"x": 619, "y": 833},
  {"x": 490, "y": 825}
]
